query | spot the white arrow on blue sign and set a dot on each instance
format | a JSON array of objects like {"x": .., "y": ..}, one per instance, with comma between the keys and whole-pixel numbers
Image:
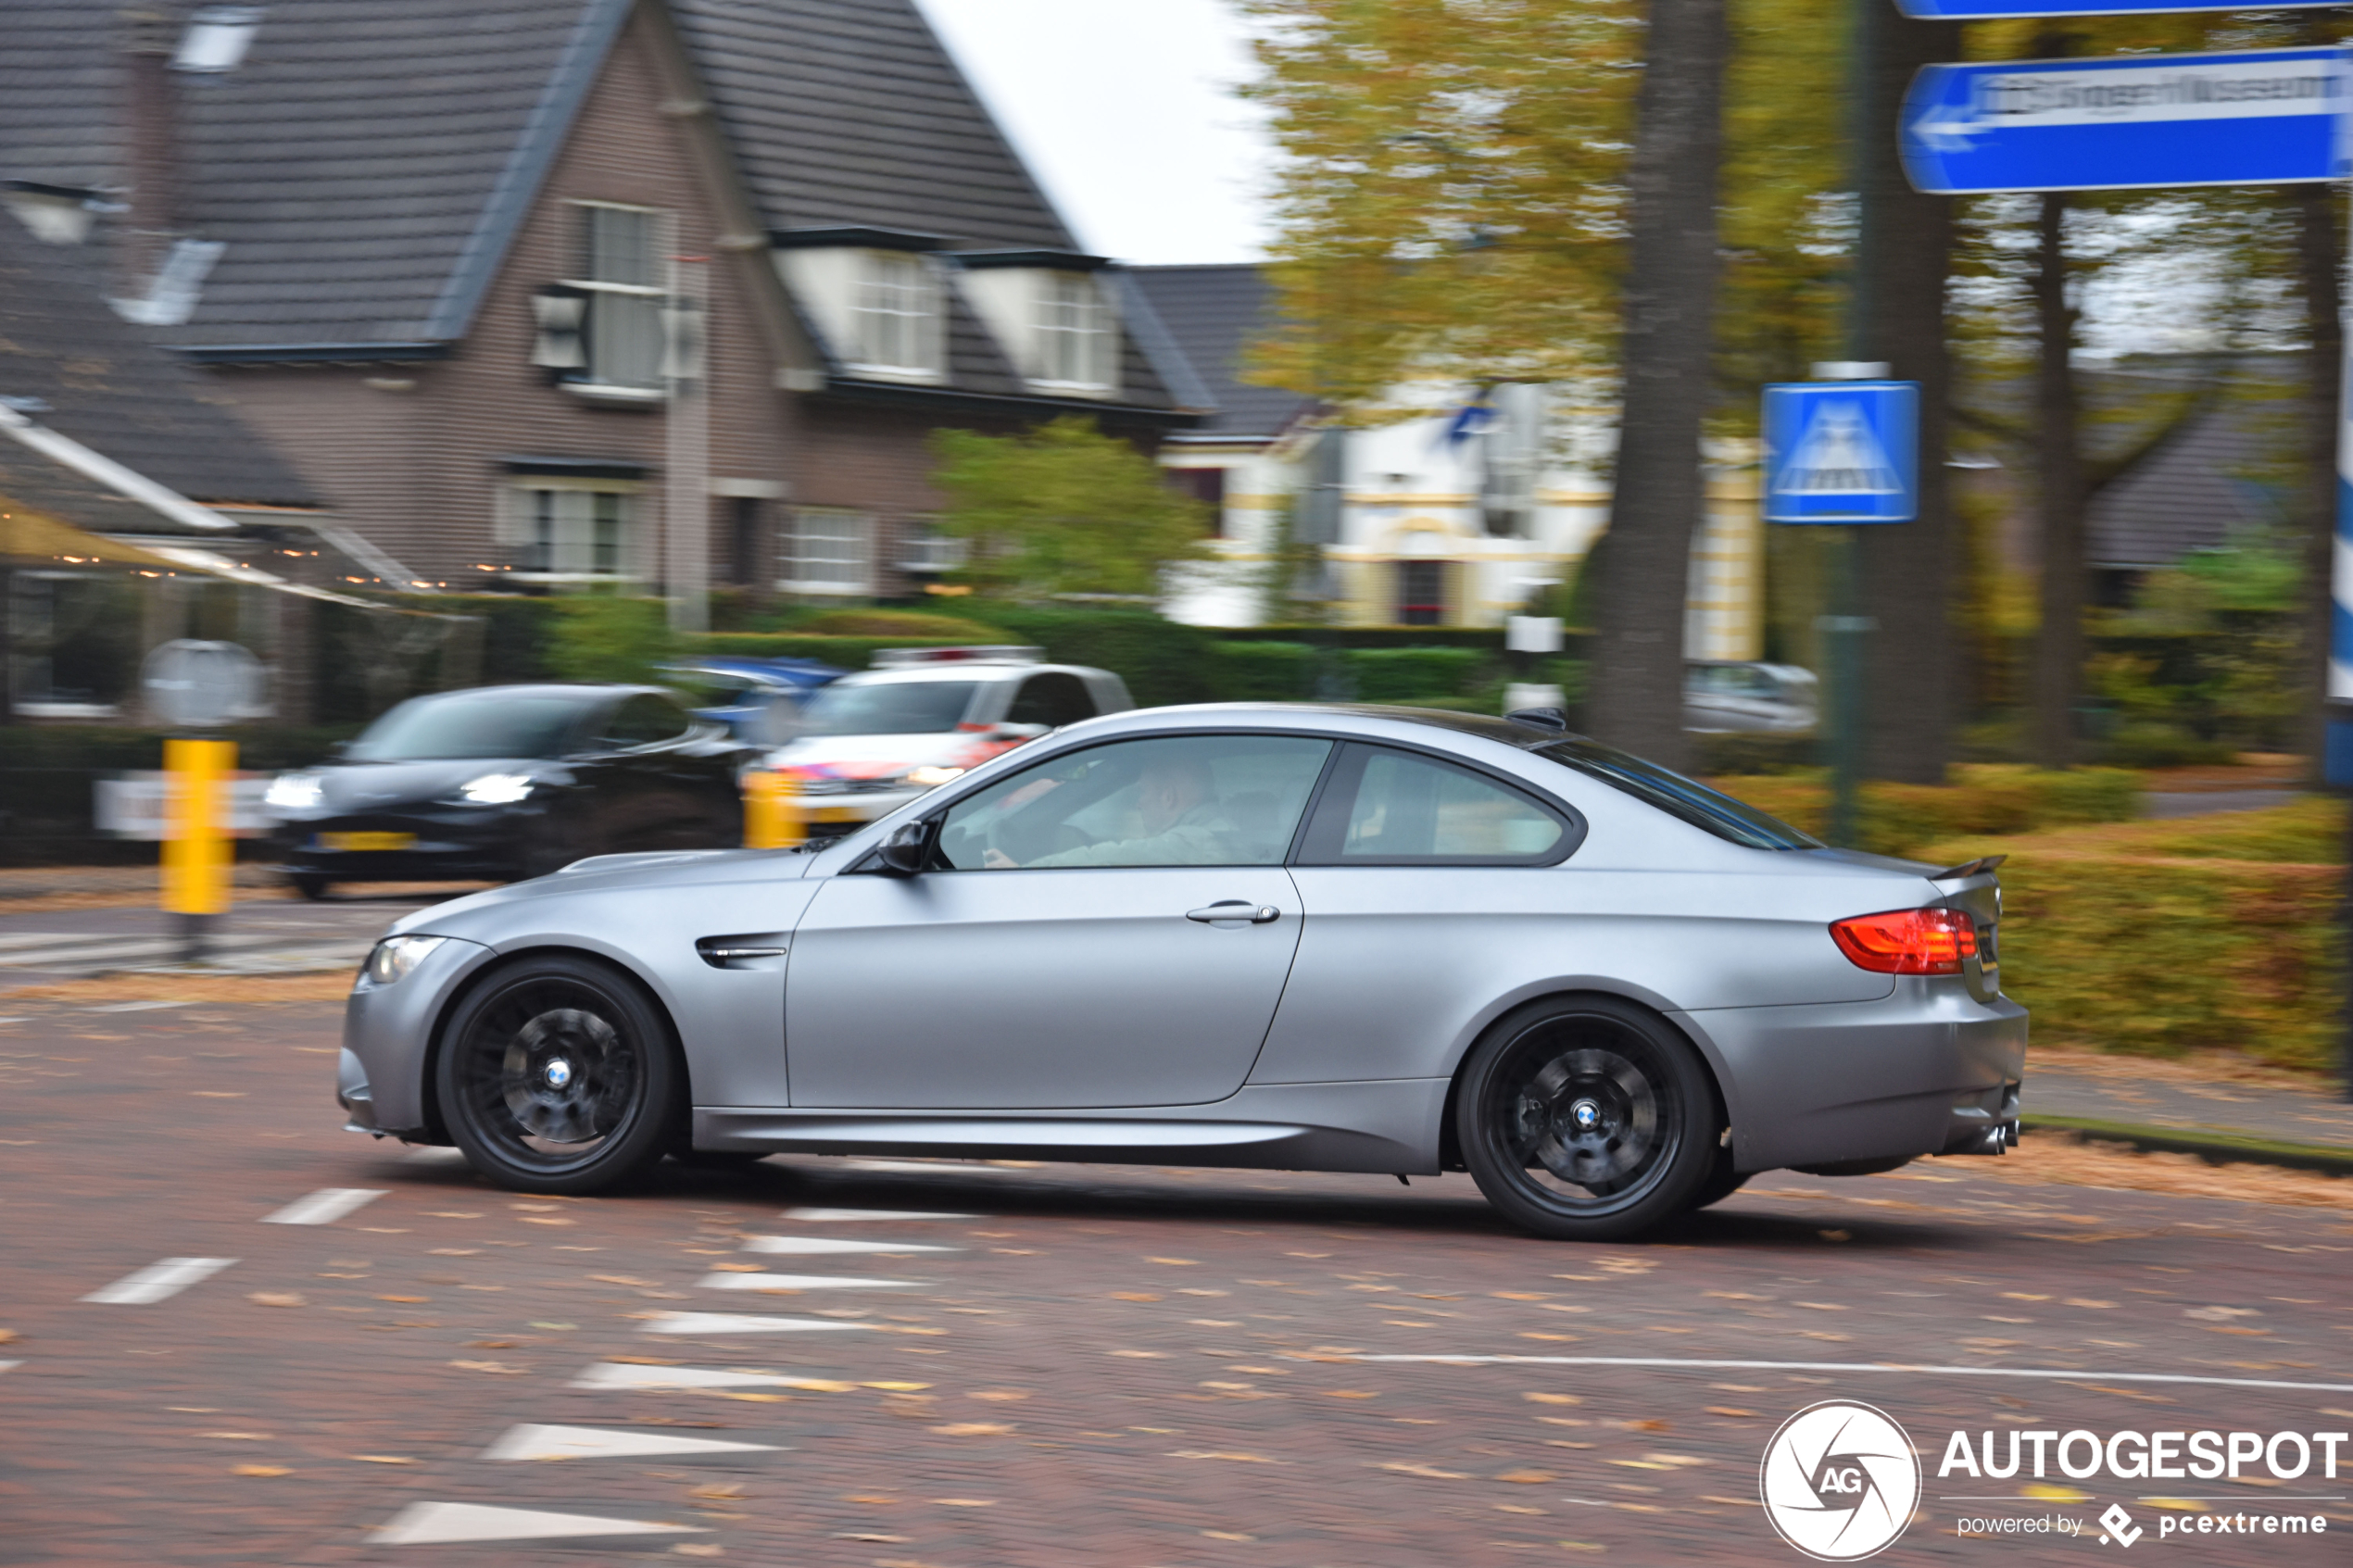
[
  {"x": 2258, "y": 116},
  {"x": 1844, "y": 451}
]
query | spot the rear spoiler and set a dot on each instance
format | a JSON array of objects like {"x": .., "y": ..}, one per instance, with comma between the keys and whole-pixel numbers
[{"x": 1968, "y": 868}]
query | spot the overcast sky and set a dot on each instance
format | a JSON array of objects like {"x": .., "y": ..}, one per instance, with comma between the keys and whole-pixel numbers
[{"x": 1124, "y": 111}]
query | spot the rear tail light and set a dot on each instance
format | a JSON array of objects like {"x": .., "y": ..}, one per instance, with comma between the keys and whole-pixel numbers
[{"x": 1909, "y": 941}]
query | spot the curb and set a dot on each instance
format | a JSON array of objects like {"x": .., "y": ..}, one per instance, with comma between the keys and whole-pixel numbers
[{"x": 2215, "y": 1148}]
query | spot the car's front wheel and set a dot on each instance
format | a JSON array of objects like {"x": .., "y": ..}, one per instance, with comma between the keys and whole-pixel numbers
[
  {"x": 1586, "y": 1119},
  {"x": 558, "y": 1076}
]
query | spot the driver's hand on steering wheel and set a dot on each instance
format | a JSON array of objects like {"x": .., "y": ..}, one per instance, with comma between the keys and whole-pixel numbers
[{"x": 996, "y": 860}]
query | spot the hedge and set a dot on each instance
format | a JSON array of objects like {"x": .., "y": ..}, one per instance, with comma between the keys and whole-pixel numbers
[
  {"x": 2157, "y": 938},
  {"x": 1993, "y": 798}
]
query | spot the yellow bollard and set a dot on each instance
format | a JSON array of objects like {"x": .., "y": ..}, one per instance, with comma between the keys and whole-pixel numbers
[
  {"x": 196, "y": 855},
  {"x": 772, "y": 810}
]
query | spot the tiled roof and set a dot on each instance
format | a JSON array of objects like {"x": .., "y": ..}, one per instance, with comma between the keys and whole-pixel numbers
[
  {"x": 362, "y": 165},
  {"x": 1211, "y": 313},
  {"x": 852, "y": 112},
  {"x": 2215, "y": 481},
  {"x": 109, "y": 388}
]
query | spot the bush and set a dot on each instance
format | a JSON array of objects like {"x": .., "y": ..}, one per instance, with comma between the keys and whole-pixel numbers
[
  {"x": 601, "y": 638},
  {"x": 1900, "y": 819},
  {"x": 1262, "y": 671},
  {"x": 1406, "y": 675},
  {"x": 2156, "y": 938}
]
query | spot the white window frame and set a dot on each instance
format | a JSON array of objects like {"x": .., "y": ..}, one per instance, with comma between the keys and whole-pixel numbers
[
  {"x": 532, "y": 510},
  {"x": 1073, "y": 335},
  {"x": 895, "y": 317},
  {"x": 847, "y": 568},
  {"x": 924, "y": 549},
  {"x": 605, "y": 293}
]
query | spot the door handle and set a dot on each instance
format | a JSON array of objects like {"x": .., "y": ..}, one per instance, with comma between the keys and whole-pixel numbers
[{"x": 1235, "y": 910}]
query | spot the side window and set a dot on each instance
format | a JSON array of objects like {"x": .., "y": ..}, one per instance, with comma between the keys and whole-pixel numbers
[
  {"x": 1052, "y": 699},
  {"x": 1388, "y": 808},
  {"x": 1194, "y": 801},
  {"x": 644, "y": 720}
]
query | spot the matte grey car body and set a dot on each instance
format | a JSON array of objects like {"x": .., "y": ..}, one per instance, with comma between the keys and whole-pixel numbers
[{"x": 1279, "y": 1014}]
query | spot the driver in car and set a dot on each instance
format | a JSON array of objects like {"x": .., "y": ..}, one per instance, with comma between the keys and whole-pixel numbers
[{"x": 1182, "y": 826}]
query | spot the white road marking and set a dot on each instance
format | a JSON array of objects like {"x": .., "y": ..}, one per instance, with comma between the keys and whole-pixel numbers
[
  {"x": 435, "y": 1154},
  {"x": 924, "y": 1168},
  {"x": 432, "y": 1524},
  {"x": 814, "y": 1244},
  {"x": 630, "y": 1374},
  {"x": 803, "y": 1282},
  {"x": 20, "y": 1020},
  {"x": 325, "y": 1207},
  {"x": 740, "y": 1322},
  {"x": 7, "y": 1365},
  {"x": 2074, "y": 1373},
  {"x": 136, "y": 1007},
  {"x": 592, "y": 1442},
  {"x": 157, "y": 1281},
  {"x": 868, "y": 1216}
]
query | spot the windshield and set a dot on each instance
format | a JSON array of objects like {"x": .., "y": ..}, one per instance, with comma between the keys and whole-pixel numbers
[
  {"x": 433, "y": 729},
  {"x": 889, "y": 707},
  {"x": 1677, "y": 797}
]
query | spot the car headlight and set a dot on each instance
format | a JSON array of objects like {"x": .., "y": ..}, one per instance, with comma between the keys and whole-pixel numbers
[
  {"x": 293, "y": 791},
  {"x": 395, "y": 956},
  {"x": 496, "y": 789},
  {"x": 930, "y": 777}
]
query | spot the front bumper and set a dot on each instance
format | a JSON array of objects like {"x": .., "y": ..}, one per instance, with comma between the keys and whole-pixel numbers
[
  {"x": 1926, "y": 1069},
  {"x": 387, "y": 1037},
  {"x": 443, "y": 844}
]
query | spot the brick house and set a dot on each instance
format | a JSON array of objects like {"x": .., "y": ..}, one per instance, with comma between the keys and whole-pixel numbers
[{"x": 543, "y": 292}]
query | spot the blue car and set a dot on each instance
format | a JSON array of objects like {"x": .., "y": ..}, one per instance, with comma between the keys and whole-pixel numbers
[{"x": 758, "y": 699}]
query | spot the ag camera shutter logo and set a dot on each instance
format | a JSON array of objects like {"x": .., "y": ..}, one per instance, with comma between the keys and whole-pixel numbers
[{"x": 1839, "y": 1481}]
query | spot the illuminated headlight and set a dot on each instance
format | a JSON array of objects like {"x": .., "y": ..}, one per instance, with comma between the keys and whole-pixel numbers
[
  {"x": 496, "y": 789},
  {"x": 292, "y": 791},
  {"x": 395, "y": 956},
  {"x": 931, "y": 778}
]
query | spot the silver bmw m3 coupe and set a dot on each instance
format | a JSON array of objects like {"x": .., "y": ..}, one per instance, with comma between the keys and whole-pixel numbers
[{"x": 1309, "y": 938}]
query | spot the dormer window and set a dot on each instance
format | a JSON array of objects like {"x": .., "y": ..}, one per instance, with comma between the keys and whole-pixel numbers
[
  {"x": 1050, "y": 314},
  {"x": 1074, "y": 334},
  {"x": 895, "y": 320},
  {"x": 873, "y": 297}
]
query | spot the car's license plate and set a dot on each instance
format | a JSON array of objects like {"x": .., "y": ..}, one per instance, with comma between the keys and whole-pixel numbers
[{"x": 367, "y": 840}]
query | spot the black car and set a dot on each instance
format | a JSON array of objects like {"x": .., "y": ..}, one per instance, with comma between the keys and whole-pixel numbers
[{"x": 507, "y": 781}]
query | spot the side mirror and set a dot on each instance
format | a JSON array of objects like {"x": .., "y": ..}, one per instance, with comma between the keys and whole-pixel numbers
[{"x": 904, "y": 852}]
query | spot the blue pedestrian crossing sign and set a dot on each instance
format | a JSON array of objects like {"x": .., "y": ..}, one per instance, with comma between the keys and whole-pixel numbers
[{"x": 1842, "y": 451}]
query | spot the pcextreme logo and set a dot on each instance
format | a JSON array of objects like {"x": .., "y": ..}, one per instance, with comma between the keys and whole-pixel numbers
[{"x": 1839, "y": 1481}]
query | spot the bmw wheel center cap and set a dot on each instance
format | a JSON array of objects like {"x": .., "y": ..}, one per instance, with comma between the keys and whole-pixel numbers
[{"x": 556, "y": 1073}]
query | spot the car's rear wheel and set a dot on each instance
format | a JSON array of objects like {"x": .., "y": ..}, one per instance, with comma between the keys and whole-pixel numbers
[
  {"x": 557, "y": 1076},
  {"x": 1586, "y": 1119}
]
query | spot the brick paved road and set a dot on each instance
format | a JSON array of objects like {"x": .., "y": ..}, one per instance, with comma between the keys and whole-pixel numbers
[{"x": 1105, "y": 1367}]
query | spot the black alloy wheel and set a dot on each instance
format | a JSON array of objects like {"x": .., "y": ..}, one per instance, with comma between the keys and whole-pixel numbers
[
  {"x": 1587, "y": 1118},
  {"x": 558, "y": 1076}
]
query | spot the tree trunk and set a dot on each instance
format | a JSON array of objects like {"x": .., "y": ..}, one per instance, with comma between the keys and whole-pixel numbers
[
  {"x": 2058, "y": 642},
  {"x": 1910, "y": 569},
  {"x": 2321, "y": 257},
  {"x": 1670, "y": 298}
]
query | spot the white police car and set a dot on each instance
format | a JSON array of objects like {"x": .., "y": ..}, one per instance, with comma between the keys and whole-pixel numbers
[{"x": 871, "y": 742}]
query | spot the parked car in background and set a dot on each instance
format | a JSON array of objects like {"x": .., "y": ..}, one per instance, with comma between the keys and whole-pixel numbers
[
  {"x": 871, "y": 742},
  {"x": 1779, "y": 700},
  {"x": 759, "y": 700},
  {"x": 509, "y": 782}
]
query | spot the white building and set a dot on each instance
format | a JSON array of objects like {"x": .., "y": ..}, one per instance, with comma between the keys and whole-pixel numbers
[{"x": 1456, "y": 505}]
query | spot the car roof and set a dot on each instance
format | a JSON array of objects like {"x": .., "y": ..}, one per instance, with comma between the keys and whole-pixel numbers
[
  {"x": 748, "y": 664},
  {"x": 961, "y": 670},
  {"x": 580, "y": 690}
]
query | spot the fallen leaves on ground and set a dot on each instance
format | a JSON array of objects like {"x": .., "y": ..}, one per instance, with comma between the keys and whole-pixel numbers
[
  {"x": 973, "y": 1429},
  {"x": 2048, "y": 1157},
  {"x": 498, "y": 1367},
  {"x": 1234, "y": 1455},
  {"x": 1429, "y": 1471},
  {"x": 259, "y": 1470},
  {"x": 277, "y": 1299}
]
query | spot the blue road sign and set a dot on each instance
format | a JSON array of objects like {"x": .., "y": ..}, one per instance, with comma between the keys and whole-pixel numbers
[
  {"x": 1842, "y": 451},
  {"x": 1967, "y": 10},
  {"x": 2257, "y": 118}
]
